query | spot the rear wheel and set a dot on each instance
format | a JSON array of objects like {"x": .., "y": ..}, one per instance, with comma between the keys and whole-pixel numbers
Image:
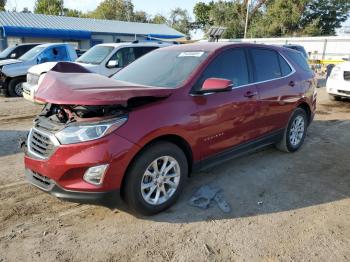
[
  {"x": 156, "y": 178},
  {"x": 15, "y": 86},
  {"x": 294, "y": 134},
  {"x": 334, "y": 97}
]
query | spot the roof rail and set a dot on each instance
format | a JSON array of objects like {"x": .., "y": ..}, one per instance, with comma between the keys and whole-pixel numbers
[{"x": 135, "y": 42}]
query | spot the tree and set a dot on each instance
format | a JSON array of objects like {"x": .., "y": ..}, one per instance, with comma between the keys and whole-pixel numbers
[
  {"x": 72, "y": 12},
  {"x": 325, "y": 15},
  {"x": 48, "y": 7},
  {"x": 159, "y": 19},
  {"x": 140, "y": 16},
  {"x": 2, "y": 5},
  {"x": 202, "y": 13},
  {"x": 114, "y": 10},
  {"x": 180, "y": 20},
  {"x": 25, "y": 10}
]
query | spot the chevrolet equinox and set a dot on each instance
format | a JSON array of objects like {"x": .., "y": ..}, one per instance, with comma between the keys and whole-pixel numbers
[{"x": 178, "y": 109}]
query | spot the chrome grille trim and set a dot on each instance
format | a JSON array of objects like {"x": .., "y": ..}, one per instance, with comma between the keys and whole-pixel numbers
[{"x": 41, "y": 144}]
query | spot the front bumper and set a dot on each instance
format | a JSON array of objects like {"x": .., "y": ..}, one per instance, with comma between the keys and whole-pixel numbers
[
  {"x": 47, "y": 185},
  {"x": 61, "y": 174},
  {"x": 338, "y": 87}
]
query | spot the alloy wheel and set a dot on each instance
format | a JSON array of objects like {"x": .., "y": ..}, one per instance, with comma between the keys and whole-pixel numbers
[
  {"x": 297, "y": 130},
  {"x": 160, "y": 180}
]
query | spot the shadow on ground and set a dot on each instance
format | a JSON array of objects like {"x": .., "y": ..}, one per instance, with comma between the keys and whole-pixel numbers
[{"x": 270, "y": 181}]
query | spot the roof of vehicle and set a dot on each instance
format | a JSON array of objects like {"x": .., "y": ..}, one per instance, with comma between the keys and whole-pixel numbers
[
  {"x": 344, "y": 66},
  {"x": 55, "y": 44},
  {"x": 134, "y": 44},
  {"x": 213, "y": 46},
  {"x": 24, "y": 44}
]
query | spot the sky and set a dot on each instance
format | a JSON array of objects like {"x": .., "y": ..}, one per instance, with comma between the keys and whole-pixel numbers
[{"x": 150, "y": 6}]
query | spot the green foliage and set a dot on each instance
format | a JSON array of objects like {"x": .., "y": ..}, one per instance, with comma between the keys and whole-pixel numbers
[
  {"x": 325, "y": 15},
  {"x": 141, "y": 17},
  {"x": 2, "y": 5},
  {"x": 159, "y": 19},
  {"x": 180, "y": 20},
  {"x": 269, "y": 18},
  {"x": 114, "y": 10},
  {"x": 48, "y": 7}
]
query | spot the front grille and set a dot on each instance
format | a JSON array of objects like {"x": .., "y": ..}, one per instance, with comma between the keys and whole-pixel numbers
[
  {"x": 347, "y": 75},
  {"x": 40, "y": 143},
  {"x": 26, "y": 91},
  {"x": 39, "y": 180},
  {"x": 344, "y": 92}
]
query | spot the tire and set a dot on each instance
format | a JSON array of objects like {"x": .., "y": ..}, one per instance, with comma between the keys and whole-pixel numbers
[
  {"x": 143, "y": 201},
  {"x": 13, "y": 87},
  {"x": 334, "y": 97},
  {"x": 293, "y": 140}
]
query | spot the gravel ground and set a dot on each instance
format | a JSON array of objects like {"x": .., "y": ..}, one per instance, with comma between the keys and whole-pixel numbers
[{"x": 285, "y": 207}]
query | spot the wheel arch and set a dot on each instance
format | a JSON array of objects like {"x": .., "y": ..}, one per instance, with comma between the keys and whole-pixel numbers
[
  {"x": 175, "y": 139},
  {"x": 305, "y": 106}
]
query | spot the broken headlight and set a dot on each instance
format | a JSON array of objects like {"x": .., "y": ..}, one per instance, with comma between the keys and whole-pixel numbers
[{"x": 87, "y": 132}]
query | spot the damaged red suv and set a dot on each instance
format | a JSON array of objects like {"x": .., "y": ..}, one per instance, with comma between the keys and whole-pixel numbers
[{"x": 178, "y": 109}]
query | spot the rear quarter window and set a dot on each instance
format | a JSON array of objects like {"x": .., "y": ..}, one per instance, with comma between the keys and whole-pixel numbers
[{"x": 300, "y": 60}]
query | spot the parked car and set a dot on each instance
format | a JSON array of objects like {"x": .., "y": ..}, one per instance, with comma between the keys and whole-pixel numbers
[
  {"x": 173, "y": 111},
  {"x": 105, "y": 59},
  {"x": 338, "y": 83},
  {"x": 13, "y": 71},
  {"x": 14, "y": 52},
  {"x": 299, "y": 48}
]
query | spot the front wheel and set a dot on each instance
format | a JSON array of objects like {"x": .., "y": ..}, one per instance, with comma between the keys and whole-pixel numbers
[
  {"x": 294, "y": 134},
  {"x": 15, "y": 86},
  {"x": 156, "y": 178}
]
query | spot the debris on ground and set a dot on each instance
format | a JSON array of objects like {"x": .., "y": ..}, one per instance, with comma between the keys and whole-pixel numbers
[{"x": 207, "y": 194}]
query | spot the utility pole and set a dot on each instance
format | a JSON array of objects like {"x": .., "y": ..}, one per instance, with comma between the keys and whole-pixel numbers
[{"x": 246, "y": 20}]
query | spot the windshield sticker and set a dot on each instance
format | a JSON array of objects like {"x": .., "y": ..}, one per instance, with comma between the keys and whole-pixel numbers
[{"x": 193, "y": 54}]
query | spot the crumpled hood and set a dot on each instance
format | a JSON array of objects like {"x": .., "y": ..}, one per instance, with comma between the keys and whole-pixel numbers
[
  {"x": 9, "y": 62},
  {"x": 87, "y": 88}
]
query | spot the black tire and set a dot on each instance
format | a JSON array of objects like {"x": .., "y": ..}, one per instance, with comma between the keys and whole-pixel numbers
[
  {"x": 285, "y": 143},
  {"x": 132, "y": 186},
  {"x": 334, "y": 97},
  {"x": 12, "y": 90}
]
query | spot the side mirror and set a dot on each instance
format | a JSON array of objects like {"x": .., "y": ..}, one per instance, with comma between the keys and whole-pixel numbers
[
  {"x": 216, "y": 85},
  {"x": 112, "y": 63},
  {"x": 13, "y": 55}
]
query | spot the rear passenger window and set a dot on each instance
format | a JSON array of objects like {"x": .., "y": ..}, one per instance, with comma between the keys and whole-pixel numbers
[
  {"x": 266, "y": 64},
  {"x": 230, "y": 64},
  {"x": 285, "y": 68},
  {"x": 140, "y": 51}
]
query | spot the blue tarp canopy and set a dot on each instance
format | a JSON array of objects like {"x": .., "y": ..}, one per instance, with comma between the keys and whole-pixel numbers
[
  {"x": 164, "y": 36},
  {"x": 45, "y": 32}
]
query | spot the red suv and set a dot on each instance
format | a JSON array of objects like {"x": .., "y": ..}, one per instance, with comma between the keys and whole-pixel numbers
[{"x": 178, "y": 109}]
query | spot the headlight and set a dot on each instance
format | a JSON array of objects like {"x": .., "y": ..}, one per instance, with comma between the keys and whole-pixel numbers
[
  {"x": 86, "y": 132},
  {"x": 32, "y": 79},
  {"x": 41, "y": 77}
]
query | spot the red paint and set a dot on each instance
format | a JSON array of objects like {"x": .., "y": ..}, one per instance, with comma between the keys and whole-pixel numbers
[{"x": 209, "y": 123}]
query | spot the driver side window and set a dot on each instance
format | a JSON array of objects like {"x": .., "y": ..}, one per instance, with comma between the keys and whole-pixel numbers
[{"x": 230, "y": 64}]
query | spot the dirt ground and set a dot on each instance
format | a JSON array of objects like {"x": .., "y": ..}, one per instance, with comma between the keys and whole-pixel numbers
[{"x": 285, "y": 207}]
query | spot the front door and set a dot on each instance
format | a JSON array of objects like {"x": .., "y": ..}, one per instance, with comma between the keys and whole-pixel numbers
[{"x": 226, "y": 119}]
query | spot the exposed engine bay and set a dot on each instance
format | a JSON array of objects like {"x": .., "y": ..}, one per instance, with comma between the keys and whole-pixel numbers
[{"x": 54, "y": 117}]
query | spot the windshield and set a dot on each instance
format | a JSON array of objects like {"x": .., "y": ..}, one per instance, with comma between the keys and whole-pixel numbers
[
  {"x": 32, "y": 53},
  {"x": 162, "y": 68},
  {"x": 5, "y": 53},
  {"x": 95, "y": 55}
]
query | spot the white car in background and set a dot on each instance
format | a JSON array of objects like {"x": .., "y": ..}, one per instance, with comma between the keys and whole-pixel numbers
[
  {"x": 104, "y": 59},
  {"x": 338, "y": 83}
]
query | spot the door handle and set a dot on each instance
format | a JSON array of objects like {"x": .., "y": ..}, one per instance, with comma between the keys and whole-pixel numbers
[
  {"x": 291, "y": 83},
  {"x": 250, "y": 94}
]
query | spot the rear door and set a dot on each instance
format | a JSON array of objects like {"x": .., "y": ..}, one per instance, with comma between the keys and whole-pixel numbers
[
  {"x": 276, "y": 84},
  {"x": 226, "y": 119}
]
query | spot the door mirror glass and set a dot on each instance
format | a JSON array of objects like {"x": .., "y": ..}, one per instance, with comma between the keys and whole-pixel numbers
[
  {"x": 112, "y": 63},
  {"x": 13, "y": 55},
  {"x": 216, "y": 85}
]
